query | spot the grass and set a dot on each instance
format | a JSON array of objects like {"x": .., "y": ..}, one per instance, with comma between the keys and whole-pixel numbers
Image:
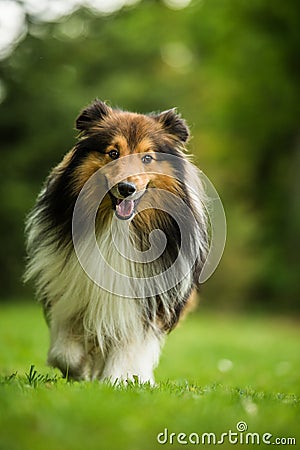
[{"x": 215, "y": 371}]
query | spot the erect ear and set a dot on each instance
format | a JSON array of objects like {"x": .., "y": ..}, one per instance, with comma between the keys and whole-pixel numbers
[
  {"x": 92, "y": 114},
  {"x": 174, "y": 124}
]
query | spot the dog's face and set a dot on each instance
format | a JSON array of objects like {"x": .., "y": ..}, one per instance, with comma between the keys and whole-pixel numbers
[{"x": 136, "y": 146}]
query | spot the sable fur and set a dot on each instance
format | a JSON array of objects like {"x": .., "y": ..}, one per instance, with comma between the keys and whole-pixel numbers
[{"x": 96, "y": 334}]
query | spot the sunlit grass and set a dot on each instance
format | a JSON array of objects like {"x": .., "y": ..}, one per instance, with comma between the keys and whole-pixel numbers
[{"x": 215, "y": 371}]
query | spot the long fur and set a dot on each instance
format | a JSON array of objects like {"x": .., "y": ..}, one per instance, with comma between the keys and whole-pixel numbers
[{"x": 94, "y": 332}]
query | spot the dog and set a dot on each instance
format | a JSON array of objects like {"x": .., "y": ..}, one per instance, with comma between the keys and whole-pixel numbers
[{"x": 128, "y": 183}]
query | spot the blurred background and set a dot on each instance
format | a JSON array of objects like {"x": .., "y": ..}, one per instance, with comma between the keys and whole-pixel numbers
[{"x": 232, "y": 69}]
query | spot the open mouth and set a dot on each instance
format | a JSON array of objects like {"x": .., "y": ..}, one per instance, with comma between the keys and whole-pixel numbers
[{"x": 124, "y": 208}]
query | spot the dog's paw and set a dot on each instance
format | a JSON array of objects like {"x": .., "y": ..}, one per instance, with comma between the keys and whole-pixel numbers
[{"x": 71, "y": 360}]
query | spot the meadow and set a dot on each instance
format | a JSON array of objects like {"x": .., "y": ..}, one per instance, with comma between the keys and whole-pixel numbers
[{"x": 216, "y": 371}]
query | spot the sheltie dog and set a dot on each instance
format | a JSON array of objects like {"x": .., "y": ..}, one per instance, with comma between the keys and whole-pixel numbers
[{"x": 116, "y": 242}]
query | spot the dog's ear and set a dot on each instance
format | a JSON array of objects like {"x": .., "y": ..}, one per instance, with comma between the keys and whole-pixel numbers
[
  {"x": 174, "y": 124},
  {"x": 92, "y": 114}
]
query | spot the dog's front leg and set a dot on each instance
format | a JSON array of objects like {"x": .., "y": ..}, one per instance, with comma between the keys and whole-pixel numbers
[
  {"x": 68, "y": 351},
  {"x": 134, "y": 361}
]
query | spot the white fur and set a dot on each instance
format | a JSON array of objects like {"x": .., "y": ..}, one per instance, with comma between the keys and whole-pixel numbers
[
  {"x": 125, "y": 349},
  {"x": 136, "y": 359}
]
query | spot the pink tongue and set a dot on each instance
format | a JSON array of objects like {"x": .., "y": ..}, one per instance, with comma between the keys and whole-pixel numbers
[{"x": 125, "y": 208}]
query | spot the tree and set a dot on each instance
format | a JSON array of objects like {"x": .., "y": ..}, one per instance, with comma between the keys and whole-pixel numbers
[{"x": 232, "y": 70}]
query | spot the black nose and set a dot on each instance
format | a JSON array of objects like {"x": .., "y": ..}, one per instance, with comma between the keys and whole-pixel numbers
[{"x": 125, "y": 188}]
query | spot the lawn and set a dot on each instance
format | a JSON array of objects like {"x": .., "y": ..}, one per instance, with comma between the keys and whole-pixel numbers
[{"x": 215, "y": 371}]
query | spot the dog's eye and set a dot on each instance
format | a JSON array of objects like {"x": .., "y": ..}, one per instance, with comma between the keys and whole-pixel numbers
[
  {"x": 114, "y": 154},
  {"x": 147, "y": 159}
]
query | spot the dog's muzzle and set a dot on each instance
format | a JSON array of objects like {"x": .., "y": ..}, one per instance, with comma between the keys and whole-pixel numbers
[{"x": 124, "y": 197}]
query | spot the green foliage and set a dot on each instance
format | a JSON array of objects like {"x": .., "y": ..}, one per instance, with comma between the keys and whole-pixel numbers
[
  {"x": 195, "y": 391},
  {"x": 229, "y": 66},
  {"x": 34, "y": 378}
]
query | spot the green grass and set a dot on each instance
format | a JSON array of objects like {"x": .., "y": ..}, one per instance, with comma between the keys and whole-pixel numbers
[{"x": 215, "y": 371}]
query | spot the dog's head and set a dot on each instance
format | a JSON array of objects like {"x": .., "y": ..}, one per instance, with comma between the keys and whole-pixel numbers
[{"x": 136, "y": 145}]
